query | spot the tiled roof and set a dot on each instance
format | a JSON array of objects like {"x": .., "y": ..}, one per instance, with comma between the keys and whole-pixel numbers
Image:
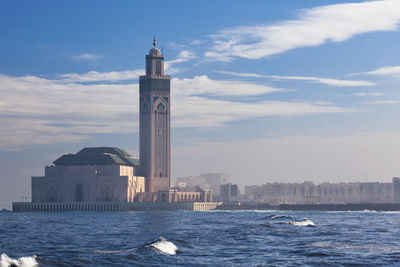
[{"x": 98, "y": 156}]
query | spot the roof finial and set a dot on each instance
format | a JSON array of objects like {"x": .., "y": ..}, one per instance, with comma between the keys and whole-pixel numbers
[{"x": 154, "y": 41}]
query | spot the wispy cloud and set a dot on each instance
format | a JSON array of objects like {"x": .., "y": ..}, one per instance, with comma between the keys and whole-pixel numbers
[
  {"x": 183, "y": 56},
  {"x": 86, "y": 56},
  {"x": 388, "y": 71},
  {"x": 196, "y": 42},
  {"x": 314, "y": 27},
  {"x": 114, "y": 76},
  {"x": 327, "y": 81},
  {"x": 369, "y": 94},
  {"x": 382, "y": 102},
  {"x": 95, "y": 76},
  {"x": 202, "y": 85},
  {"x": 38, "y": 110},
  {"x": 205, "y": 112}
]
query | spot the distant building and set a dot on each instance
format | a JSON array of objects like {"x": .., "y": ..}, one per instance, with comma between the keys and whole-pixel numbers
[
  {"x": 396, "y": 189},
  {"x": 208, "y": 181},
  {"x": 229, "y": 192},
  {"x": 325, "y": 193}
]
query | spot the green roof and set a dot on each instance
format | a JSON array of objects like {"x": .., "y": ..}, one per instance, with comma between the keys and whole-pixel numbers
[{"x": 98, "y": 156}]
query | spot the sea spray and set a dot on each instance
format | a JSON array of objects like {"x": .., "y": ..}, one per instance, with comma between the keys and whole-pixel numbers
[
  {"x": 278, "y": 216},
  {"x": 304, "y": 222},
  {"x": 164, "y": 246},
  {"x": 6, "y": 261}
]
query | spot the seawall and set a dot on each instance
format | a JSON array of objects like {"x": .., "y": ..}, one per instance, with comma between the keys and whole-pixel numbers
[
  {"x": 313, "y": 207},
  {"x": 343, "y": 207},
  {"x": 110, "y": 206}
]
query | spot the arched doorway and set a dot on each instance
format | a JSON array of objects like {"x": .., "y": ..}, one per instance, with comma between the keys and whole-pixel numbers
[{"x": 79, "y": 193}]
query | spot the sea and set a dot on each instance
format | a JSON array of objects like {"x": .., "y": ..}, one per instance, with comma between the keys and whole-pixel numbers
[{"x": 200, "y": 238}]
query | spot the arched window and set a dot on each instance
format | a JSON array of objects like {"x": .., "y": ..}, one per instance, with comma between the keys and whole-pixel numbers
[
  {"x": 163, "y": 197},
  {"x": 158, "y": 67}
]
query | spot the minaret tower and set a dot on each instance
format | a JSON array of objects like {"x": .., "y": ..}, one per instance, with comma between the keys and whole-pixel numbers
[{"x": 154, "y": 123}]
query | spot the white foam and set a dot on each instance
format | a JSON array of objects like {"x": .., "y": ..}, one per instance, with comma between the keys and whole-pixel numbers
[
  {"x": 304, "y": 222},
  {"x": 6, "y": 261},
  {"x": 273, "y": 217},
  {"x": 238, "y": 211},
  {"x": 112, "y": 251},
  {"x": 164, "y": 246}
]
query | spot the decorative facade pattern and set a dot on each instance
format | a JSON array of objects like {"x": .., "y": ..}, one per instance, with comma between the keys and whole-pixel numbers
[{"x": 155, "y": 123}]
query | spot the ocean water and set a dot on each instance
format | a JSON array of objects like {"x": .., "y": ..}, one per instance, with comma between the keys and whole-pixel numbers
[{"x": 189, "y": 238}]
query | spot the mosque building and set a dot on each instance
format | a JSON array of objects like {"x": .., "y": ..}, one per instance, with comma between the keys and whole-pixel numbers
[{"x": 109, "y": 174}]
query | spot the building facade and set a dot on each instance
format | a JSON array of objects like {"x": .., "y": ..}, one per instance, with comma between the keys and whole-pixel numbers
[
  {"x": 97, "y": 174},
  {"x": 173, "y": 195},
  {"x": 154, "y": 123},
  {"x": 229, "y": 192}
]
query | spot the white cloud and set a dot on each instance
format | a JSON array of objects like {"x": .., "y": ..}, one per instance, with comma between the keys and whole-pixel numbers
[
  {"x": 389, "y": 71},
  {"x": 183, "y": 56},
  {"x": 201, "y": 85},
  {"x": 193, "y": 106},
  {"x": 95, "y": 76},
  {"x": 86, "y": 56},
  {"x": 114, "y": 76},
  {"x": 327, "y": 81},
  {"x": 40, "y": 111},
  {"x": 196, "y": 42},
  {"x": 37, "y": 110},
  {"x": 204, "y": 112},
  {"x": 369, "y": 94},
  {"x": 382, "y": 102},
  {"x": 315, "y": 26}
]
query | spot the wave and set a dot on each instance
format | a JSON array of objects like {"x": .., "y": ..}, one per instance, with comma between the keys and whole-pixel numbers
[
  {"x": 161, "y": 245},
  {"x": 164, "y": 246},
  {"x": 304, "y": 222},
  {"x": 370, "y": 248},
  {"x": 6, "y": 261},
  {"x": 276, "y": 216},
  {"x": 111, "y": 251},
  {"x": 5, "y": 210},
  {"x": 237, "y": 211}
]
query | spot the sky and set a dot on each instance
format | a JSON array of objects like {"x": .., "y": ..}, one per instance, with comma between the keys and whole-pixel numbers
[{"x": 265, "y": 91}]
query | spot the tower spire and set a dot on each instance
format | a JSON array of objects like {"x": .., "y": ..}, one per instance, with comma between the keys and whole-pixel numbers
[{"x": 154, "y": 41}]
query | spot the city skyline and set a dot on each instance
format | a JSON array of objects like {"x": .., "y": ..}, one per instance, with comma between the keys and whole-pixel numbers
[{"x": 265, "y": 92}]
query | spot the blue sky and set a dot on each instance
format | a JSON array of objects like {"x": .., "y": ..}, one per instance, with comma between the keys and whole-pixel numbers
[{"x": 263, "y": 90}]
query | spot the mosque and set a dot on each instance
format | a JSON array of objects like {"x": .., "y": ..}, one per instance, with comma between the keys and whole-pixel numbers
[{"x": 109, "y": 174}]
